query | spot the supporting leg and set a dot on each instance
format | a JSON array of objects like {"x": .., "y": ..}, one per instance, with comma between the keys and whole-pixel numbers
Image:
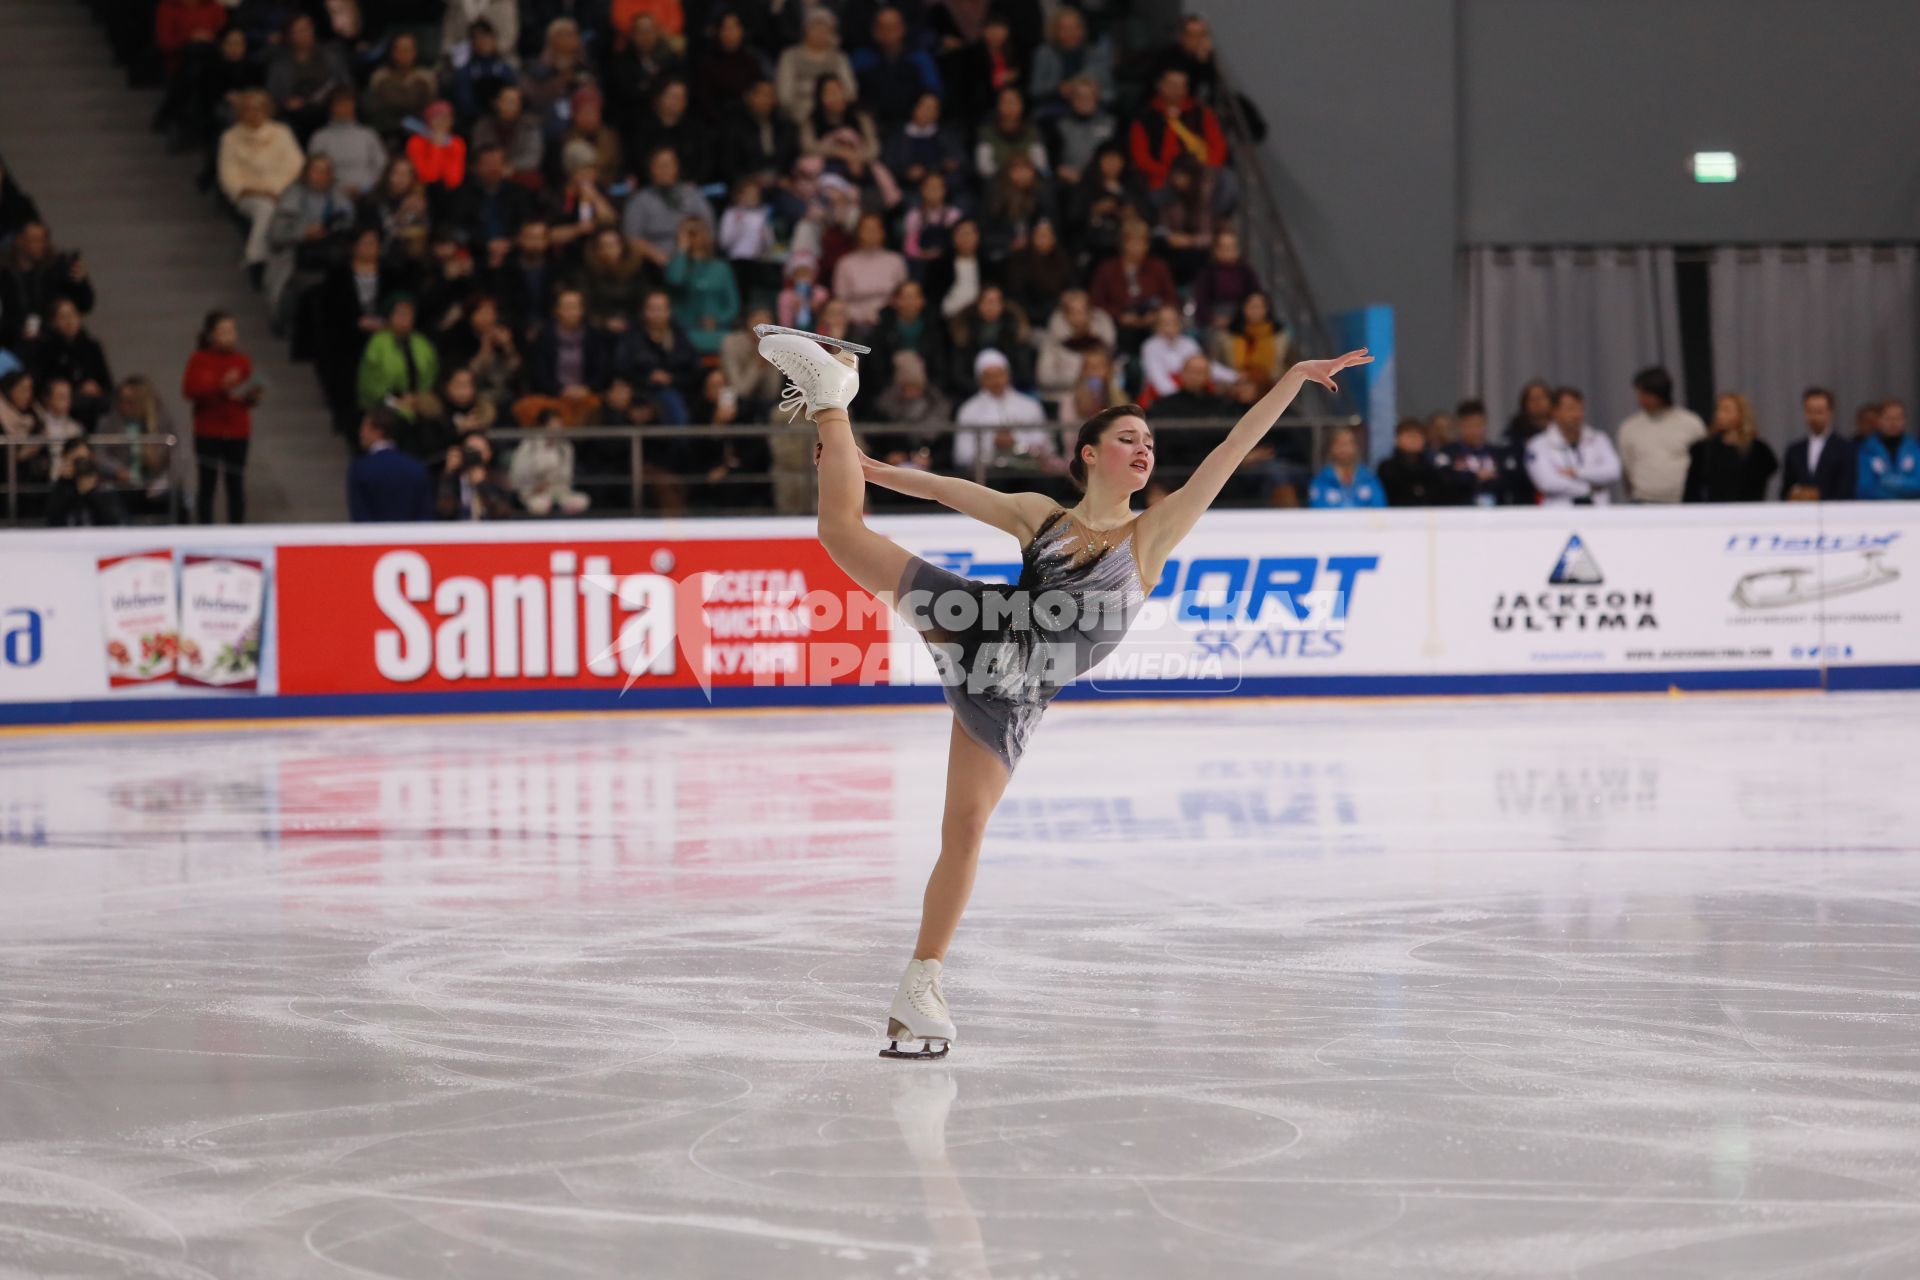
[{"x": 976, "y": 779}]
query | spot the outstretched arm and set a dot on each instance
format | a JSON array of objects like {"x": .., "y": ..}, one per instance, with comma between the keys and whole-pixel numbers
[
  {"x": 1164, "y": 525},
  {"x": 1019, "y": 514}
]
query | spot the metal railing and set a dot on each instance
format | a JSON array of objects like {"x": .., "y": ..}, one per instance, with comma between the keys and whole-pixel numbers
[{"x": 30, "y": 467}]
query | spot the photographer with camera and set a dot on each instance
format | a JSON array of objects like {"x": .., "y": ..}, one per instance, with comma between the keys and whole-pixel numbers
[
  {"x": 81, "y": 495},
  {"x": 471, "y": 486}
]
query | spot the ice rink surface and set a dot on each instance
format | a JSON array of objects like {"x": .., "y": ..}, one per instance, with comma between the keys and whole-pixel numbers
[{"x": 1573, "y": 988}]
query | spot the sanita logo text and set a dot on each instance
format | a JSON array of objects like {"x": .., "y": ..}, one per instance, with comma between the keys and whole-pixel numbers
[
  {"x": 21, "y": 637},
  {"x": 1230, "y": 589},
  {"x": 1806, "y": 544}
]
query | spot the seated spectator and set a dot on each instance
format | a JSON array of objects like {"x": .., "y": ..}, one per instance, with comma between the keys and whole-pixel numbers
[
  {"x": 993, "y": 324},
  {"x": 1133, "y": 285},
  {"x": 445, "y": 284},
  {"x": 587, "y": 139},
  {"x": 706, "y": 300},
  {"x": 399, "y": 89},
  {"x": 1223, "y": 283},
  {"x": 1017, "y": 198},
  {"x": 20, "y": 423},
  {"x": 1174, "y": 125},
  {"x": 1041, "y": 270},
  {"x": 131, "y": 450},
  {"x": 801, "y": 301},
  {"x": 729, "y": 67},
  {"x": 911, "y": 399},
  {"x": 1074, "y": 329},
  {"x": 955, "y": 281},
  {"x": 1888, "y": 465},
  {"x": 1107, "y": 198},
  {"x": 892, "y": 74},
  {"x": 81, "y": 495},
  {"x": 302, "y": 75},
  {"x": 1192, "y": 54},
  {"x": 359, "y": 156},
  {"x": 582, "y": 209},
  {"x": 907, "y": 325},
  {"x": 308, "y": 232},
  {"x": 615, "y": 279},
  {"x": 479, "y": 64},
  {"x": 1345, "y": 481},
  {"x": 929, "y": 224},
  {"x": 801, "y": 66},
  {"x": 1184, "y": 218},
  {"x": 569, "y": 365},
  {"x": 865, "y": 279},
  {"x": 1009, "y": 133},
  {"x": 471, "y": 486},
  {"x": 541, "y": 471},
  {"x": 657, "y": 356},
  {"x": 1020, "y": 439},
  {"x": 1732, "y": 464},
  {"x": 509, "y": 127},
  {"x": 57, "y": 422},
  {"x": 754, "y": 380},
  {"x": 1067, "y": 55},
  {"x": 759, "y": 139},
  {"x": 439, "y": 156},
  {"x": 384, "y": 484},
  {"x": 839, "y": 131},
  {"x": 923, "y": 147},
  {"x": 1409, "y": 475},
  {"x": 485, "y": 347},
  {"x": 746, "y": 237},
  {"x": 561, "y": 69},
  {"x": 1074, "y": 136},
  {"x": 1093, "y": 389},
  {"x": 1193, "y": 398},
  {"x": 1655, "y": 443},
  {"x": 400, "y": 366},
  {"x": 490, "y": 208},
  {"x": 1820, "y": 467},
  {"x": 725, "y": 465},
  {"x": 1252, "y": 345},
  {"x": 66, "y": 350},
  {"x": 1163, "y": 355},
  {"x": 1474, "y": 470},
  {"x": 398, "y": 207},
  {"x": 1571, "y": 464},
  {"x": 635, "y": 70},
  {"x": 979, "y": 70},
  {"x": 654, "y": 214},
  {"x": 259, "y": 160}
]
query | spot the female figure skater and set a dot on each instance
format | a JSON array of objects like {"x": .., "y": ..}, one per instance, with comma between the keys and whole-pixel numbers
[{"x": 1001, "y": 658}]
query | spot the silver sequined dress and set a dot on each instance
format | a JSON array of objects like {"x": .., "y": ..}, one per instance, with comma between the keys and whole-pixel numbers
[{"x": 1005, "y": 652}]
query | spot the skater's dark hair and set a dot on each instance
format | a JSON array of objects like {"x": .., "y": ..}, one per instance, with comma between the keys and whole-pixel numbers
[{"x": 1090, "y": 432}]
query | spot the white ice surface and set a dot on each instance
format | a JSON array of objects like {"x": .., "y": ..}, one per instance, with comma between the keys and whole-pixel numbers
[{"x": 1578, "y": 988}]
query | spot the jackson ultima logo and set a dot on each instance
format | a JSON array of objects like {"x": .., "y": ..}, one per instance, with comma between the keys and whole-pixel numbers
[{"x": 1566, "y": 609}]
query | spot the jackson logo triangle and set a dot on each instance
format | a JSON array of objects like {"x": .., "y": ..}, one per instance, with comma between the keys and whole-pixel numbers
[{"x": 1576, "y": 566}]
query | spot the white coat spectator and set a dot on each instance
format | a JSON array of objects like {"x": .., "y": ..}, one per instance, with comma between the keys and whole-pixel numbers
[
  {"x": 1654, "y": 442},
  {"x": 259, "y": 159},
  {"x": 997, "y": 404},
  {"x": 541, "y": 471},
  {"x": 1570, "y": 463}
]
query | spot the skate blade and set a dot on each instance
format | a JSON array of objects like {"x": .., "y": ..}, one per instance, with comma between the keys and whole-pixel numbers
[
  {"x": 897, "y": 1032},
  {"x": 762, "y": 330}
]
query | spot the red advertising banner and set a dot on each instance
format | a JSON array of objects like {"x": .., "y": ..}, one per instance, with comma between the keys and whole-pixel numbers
[{"x": 553, "y": 615}]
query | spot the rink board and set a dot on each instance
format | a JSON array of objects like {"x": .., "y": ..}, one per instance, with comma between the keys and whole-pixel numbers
[{"x": 115, "y": 625}]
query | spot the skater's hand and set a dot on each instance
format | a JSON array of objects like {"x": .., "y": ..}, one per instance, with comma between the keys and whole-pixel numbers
[{"x": 1322, "y": 371}]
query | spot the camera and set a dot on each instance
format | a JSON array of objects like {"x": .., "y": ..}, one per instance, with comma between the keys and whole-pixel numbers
[{"x": 471, "y": 457}]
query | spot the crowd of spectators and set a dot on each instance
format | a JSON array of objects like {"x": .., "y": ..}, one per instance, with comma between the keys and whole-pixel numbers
[{"x": 1549, "y": 454}]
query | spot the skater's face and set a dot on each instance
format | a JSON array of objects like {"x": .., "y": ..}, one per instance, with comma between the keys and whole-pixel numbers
[{"x": 1123, "y": 458}]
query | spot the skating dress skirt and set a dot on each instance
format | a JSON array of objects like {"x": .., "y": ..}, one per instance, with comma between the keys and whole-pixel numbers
[{"x": 1004, "y": 652}]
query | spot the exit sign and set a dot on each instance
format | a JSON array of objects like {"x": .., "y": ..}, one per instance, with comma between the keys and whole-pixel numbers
[{"x": 1715, "y": 166}]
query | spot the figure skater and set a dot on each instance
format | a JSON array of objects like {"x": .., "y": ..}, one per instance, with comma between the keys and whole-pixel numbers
[{"x": 1003, "y": 653}]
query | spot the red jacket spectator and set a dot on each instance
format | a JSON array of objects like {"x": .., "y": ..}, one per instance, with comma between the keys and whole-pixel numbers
[
  {"x": 1163, "y": 132},
  {"x": 177, "y": 22},
  {"x": 666, "y": 14},
  {"x": 217, "y": 414},
  {"x": 444, "y": 163}
]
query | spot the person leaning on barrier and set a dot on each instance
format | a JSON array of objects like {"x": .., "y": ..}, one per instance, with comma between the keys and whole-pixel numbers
[
  {"x": 1888, "y": 464},
  {"x": 1475, "y": 470},
  {"x": 81, "y": 495},
  {"x": 1409, "y": 474}
]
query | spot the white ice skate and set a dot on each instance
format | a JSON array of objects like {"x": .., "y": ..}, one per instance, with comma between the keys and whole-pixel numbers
[
  {"x": 815, "y": 378},
  {"x": 919, "y": 1015}
]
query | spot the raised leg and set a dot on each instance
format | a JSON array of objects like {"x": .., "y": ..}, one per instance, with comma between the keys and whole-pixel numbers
[
  {"x": 976, "y": 779},
  {"x": 871, "y": 559}
]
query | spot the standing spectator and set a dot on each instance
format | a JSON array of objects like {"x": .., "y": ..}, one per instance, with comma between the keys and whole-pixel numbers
[
  {"x": 801, "y": 66},
  {"x": 439, "y": 155},
  {"x": 358, "y": 155},
  {"x": 706, "y": 300},
  {"x": 400, "y": 88},
  {"x": 1008, "y": 134},
  {"x": 510, "y": 127},
  {"x": 923, "y": 148},
  {"x": 541, "y": 471},
  {"x": 400, "y": 367},
  {"x": 1253, "y": 345},
  {"x": 1889, "y": 463},
  {"x": 1533, "y": 416},
  {"x": 891, "y": 73},
  {"x": 653, "y": 216},
  {"x": 1132, "y": 286},
  {"x": 259, "y": 159},
  {"x": 303, "y": 74},
  {"x": 1345, "y": 480},
  {"x": 1572, "y": 464},
  {"x": 311, "y": 220},
  {"x": 219, "y": 385},
  {"x": 1820, "y": 467},
  {"x": 1733, "y": 464},
  {"x": 1409, "y": 475},
  {"x": 81, "y": 495},
  {"x": 1474, "y": 469},
  {"x": 384, "y": 484},
  {"x": 1655, "y": 442},
  {"x": 759, "y": 139},
  {"x": 1067, "y": 55},
  {"x": 866, "y": 278},
  {"x": 1075, "y": 136},
  {"x": 1021, "y": 438},
  {"x": 1175, "y": 125},
  {"x": 1075, "y": 329},
  {"x": 66, "y": 350}
]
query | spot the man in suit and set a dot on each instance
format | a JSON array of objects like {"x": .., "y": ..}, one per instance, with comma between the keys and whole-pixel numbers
[
  {"x": 384, "y": 484},
  {"x": 1820, "y": 467}
]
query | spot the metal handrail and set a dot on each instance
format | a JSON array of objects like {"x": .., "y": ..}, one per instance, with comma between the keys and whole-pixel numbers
[{"x": 17, "y": 490}]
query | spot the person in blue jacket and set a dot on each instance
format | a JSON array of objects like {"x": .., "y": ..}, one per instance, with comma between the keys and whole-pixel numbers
[
  {"x": 1346, "y": 481},
  {"x": 1889, "y": 461},
  {"x": 384, "y": 483}
]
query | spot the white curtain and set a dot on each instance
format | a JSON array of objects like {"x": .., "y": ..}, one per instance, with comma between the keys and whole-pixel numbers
[
  {"x": 1588, "y": 318},
  {"x": 1788, "y": 319}
]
